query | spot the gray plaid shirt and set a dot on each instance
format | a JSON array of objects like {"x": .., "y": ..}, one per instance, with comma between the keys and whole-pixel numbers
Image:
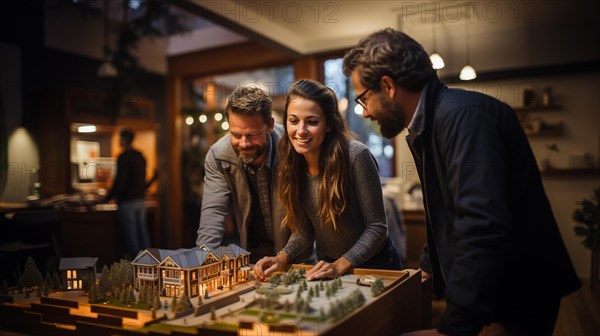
[{"x": 261, "y": 180}]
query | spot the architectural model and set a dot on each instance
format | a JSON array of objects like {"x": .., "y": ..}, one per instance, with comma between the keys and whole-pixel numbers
[
  {"x": 193, "y": 271},
  {"x": 226, "y": 303},
  {"x": 75, "y": 271}
]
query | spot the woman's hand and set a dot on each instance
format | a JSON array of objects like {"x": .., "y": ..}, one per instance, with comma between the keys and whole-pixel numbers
[
  {"x": 269, "y": 265},
  {"x": 325, "y": 270}
]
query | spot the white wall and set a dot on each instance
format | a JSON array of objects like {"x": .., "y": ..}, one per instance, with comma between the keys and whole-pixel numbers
[{"x": 580, "y": 97}]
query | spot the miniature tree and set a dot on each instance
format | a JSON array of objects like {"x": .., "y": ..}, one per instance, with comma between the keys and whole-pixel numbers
[
  {"x": 174, "y": 304},
  {"x": 122, "y": 295},
  {"x": 357, "y": 298},
  {"x": 121, "y": 275},
  {"x": 377, "y": 287},
  {"x": 150, "y": 297},
  {"x": 306, "y": 307},
  {"x": 46, "y": 289},
  {"x": 130, "y": 294},
  {"x": 156, "y": 304},
  {"x": 333, "y": 310},
  {"x": 56, "y": 283},
  {"x": 213, "y": 313},
  {"x": 93, "y": 293},
  {"x": 299, "y": 305},
  {"x": 31, "y": 276},
  {"x": 142, "y": 295},
  {"x": 106, "y": 286},
  {"x": 184, "y": 302},
  {"x": 48, "y": 277}
]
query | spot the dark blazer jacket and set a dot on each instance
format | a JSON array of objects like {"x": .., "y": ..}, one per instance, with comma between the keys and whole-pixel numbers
[{"x": 492, "y": 240}]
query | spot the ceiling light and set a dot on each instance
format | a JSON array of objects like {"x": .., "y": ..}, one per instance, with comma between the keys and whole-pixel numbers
[
  {"x": 467, "y": 72},
  {"x": 437, "y": 61},
  {"x": 107, "y": 69},
  {"x": 86, "y": 129}
]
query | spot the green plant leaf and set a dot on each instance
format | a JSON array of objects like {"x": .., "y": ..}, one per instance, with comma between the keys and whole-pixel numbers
[{"x": 587, "y": 218}]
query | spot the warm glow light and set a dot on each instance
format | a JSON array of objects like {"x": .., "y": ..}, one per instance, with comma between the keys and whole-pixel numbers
[
  {"x": 189, "y": 121},
  {"x": 225, "y": 125},
  {"x": 86, "y": 129},
  {"x": 202, "y": 118},
  {"x": 437, "y": 61},
  {"x": 358, "y": 109},
  {"x": 218, "y": 116},
  {"x": 467, "y": 73},
  {"x": 107, "y": 69}
]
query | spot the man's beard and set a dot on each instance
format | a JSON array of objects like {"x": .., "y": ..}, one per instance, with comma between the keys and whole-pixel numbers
[
  {"x": 391, "y": 118},
  {"x": 249, "y": 155}
]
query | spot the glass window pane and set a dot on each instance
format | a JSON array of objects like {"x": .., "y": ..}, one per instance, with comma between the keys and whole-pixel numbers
[{"x": 365, "y": 130}]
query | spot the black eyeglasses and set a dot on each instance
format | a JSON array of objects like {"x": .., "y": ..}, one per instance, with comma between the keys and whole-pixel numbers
[{"x": 359, "y": 98}]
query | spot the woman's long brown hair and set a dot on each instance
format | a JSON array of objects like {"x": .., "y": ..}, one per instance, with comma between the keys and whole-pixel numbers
[{"x": 333, "y": 161}]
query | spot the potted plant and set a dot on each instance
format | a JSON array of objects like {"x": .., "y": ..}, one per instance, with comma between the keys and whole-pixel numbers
[
  {"x": 587, "y": 218},
  {"x": 546, "y": 164}
]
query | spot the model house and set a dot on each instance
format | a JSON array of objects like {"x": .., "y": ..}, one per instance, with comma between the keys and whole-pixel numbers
[
  {"x": 195, "y": 270},
  {"x": 75, "y": 271}
]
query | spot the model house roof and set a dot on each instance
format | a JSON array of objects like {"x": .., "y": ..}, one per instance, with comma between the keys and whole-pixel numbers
[
  {"x": 187, "y": 258},
  {"x": 77, "y": 263},
  {"x": 231, "y": 251}
]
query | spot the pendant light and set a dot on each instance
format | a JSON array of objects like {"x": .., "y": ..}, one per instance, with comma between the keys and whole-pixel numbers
[
  {"x": 436, "y": 60},
  {"x": 107, "y": 69},
  {"x": 467, "y": 72}
]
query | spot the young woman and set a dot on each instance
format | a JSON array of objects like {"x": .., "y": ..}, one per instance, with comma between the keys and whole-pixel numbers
[{"x": 329, "y": 186}]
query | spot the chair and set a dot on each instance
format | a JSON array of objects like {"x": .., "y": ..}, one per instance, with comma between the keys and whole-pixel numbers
[{"x": 29, "y": 233}]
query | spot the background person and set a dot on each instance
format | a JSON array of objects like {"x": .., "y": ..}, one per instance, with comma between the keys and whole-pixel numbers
[
  {"x": 128, "y": 189},
  {"x": 329, "y": 186},
  {"x": 493, "y": 246}
]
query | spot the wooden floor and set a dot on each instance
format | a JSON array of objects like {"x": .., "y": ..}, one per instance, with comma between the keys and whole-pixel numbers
[{"x": 579, "y": 313}]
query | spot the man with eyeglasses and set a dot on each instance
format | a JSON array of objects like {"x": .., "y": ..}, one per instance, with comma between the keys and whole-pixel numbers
[
  {"x": 240, "y": 181},
  {"x": 489, "y": 222}
]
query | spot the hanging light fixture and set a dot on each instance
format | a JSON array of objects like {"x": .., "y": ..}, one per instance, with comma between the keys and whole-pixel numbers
[
  {"x": 436, "y": 60},
  {"x": 107, "y": 69},
  {"x": 467, "y": 72}
]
